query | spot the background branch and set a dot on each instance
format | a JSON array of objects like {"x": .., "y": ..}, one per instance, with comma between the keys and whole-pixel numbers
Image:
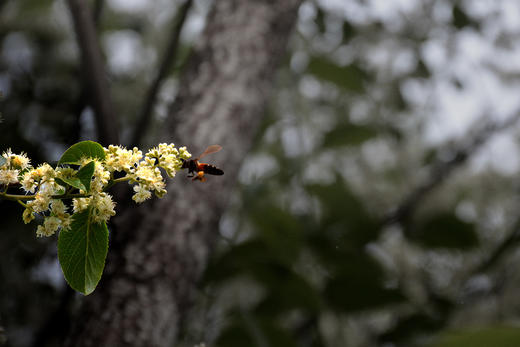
[
  {"x": 499, "y": 252},
  {"x": 442, "y": 169},
  {"x": 94, "y": 72},
  {"x": 170, "y": 55}
]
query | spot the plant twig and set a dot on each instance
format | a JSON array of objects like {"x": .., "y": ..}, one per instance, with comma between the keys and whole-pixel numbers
[
  {"x": 170, "y": 55},
  {"x": 92, "y": 64},
  {"x": 20, "y": 198},
  {"x": 16, "y": 197},
  {"x": 502, "y": 249},
  {"x": 117, "y": 180}
]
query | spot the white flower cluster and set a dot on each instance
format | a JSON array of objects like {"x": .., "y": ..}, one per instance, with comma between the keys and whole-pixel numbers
[
  {"x": 48, "y": 188},
  {"x": 145, "y": 172}
]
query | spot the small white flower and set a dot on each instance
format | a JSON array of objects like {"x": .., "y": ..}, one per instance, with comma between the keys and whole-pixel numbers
[
  {"x": 80, "y": 204},
  {"x": 141, "y": 193},
  {"x": 20, "y": 161},
  {"x": 49, "y": 227},
  {"x": 9, "y": 176}
]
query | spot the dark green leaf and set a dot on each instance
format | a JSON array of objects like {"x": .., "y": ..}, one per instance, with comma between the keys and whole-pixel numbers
[
  {"x": 460, "y": 18},
  {"x": 280, "y": 230},
  {"x": 291, "y": 291},
  {"x": 84, "y": 149},
  {"x": 81, "y": 180},
  {"x": 61, "y": 182},
  {"x": 74, "y": 182},
  {"x": 236, "y": 335},
  {"x": 413, "y": 325},
  {"x": 345, "y": 218},
  {"x": 253, "y": 258},
  {"x": 276, "y": 335},
  {"x": 430, "y": 156},
  {"x": 485, "y": 337},
  {"x": 85, "y": 175},
  {"x": 349, "y": 294},
  {"x": 349, "y": 77},
  {"x": 348, "y": 134},
  {"x": 82, "y": 250},
  {"x": 320, "y": 20},
  {"x": 444, "y": 231},
  {"x": 422, "y": 70},
  {"x": 348, "y": 31}
]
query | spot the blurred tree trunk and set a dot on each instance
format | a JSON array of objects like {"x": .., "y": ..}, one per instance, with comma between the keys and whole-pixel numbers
[{"x": 159, "y": 249}]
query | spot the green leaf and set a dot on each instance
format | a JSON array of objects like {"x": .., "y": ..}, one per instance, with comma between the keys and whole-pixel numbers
[
  {"x": 430, "y": 156},
  {"x": 85, "y": 175},
  {"x": 84, "y": 149},
  {"x": 444, "y": 231},
  {"x": 348, "y": 31},
  {"x": 320, "y": 21},
  {"x": 349, "y": 77},
  {"x": 253, "y": 258},
  {"x": 461, "y": 19},
  {"x": 422, "y": 70},
  {"x": 348, "y": 134},
  {"x": 349, "y": 225},
  {"x": 74, "y": 182},
  {"x": 488, "y": 336},
  {"x": 350, "y": 294},
  {"x": 81, "y": 180},
  {"x": 82, "y": 250},
  {"x": 235, "y": 335},
  {"x": 2, "y": 160},
  {"x": 289, "y": 292},
  {"x": 410, "y": 326},
  {"x": 279, "y": 229}
]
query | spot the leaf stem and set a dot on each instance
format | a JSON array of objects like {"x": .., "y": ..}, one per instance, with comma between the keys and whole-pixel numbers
[{"x": 117, "y": 180}]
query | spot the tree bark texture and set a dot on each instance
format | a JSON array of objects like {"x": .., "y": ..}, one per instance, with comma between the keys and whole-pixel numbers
[{"x": 159, "y": 249}]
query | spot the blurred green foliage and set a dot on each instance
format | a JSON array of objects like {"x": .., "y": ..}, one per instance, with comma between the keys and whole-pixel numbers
[
  {"x": 350, "y": 77},
  {"x": 445, "y": 231}
]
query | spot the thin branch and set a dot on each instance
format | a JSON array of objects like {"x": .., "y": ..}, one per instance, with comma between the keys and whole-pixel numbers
[
  {"x": 442, "y": 169},
  {"x": 93, "y": 67},
  {"x": 500, "y": 251},
  {"x": 15, "y": 197},
  {"x": 20, "y": 198},
  {"x": 170, "y": 55}
]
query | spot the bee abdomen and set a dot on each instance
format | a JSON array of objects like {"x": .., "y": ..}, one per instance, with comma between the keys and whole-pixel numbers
[{"x": 213, "y": 170}]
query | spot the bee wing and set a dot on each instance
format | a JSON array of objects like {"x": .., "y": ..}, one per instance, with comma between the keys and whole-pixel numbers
[{"x": 209, "y": 150}]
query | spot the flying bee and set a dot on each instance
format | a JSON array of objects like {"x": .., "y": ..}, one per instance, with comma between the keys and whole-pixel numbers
[{"x": 197, "y": 170}]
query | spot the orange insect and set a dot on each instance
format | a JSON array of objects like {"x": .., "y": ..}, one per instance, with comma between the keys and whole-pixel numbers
[{"x": 197, "y": 170}]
